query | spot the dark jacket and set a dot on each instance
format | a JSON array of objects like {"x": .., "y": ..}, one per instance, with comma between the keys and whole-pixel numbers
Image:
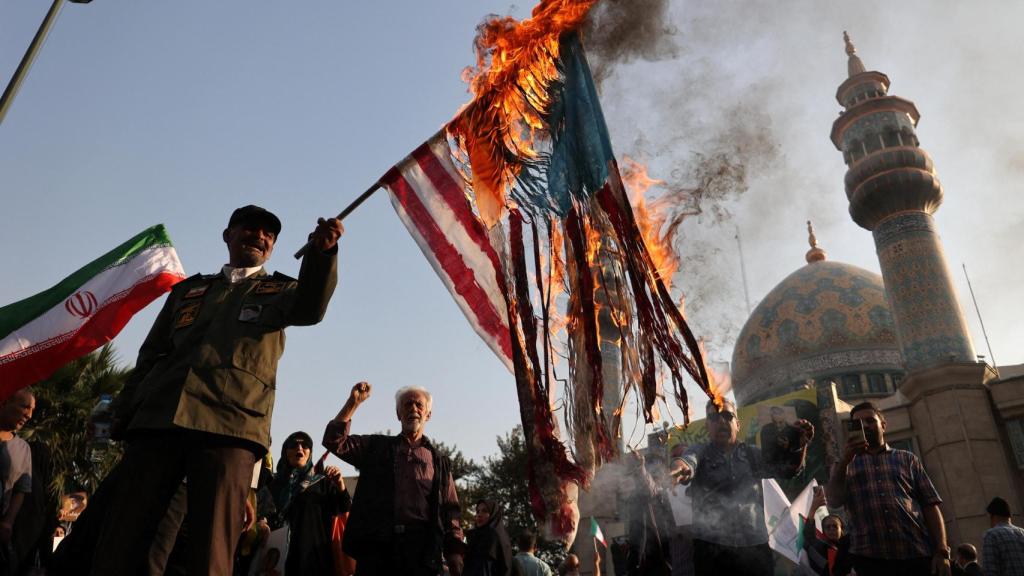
[
  {"x": 488, "y": 548},
  {"x": 209, "y": 362},
  {"x": 310, "y": 515},
  {"x": 371, "y": 520},
  {"x": 817, "y": 552}
]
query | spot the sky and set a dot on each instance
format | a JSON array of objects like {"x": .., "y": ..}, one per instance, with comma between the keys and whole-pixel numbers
[{"x": 140, "y": 113}]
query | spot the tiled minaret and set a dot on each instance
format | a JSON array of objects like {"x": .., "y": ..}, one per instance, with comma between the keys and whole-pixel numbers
[{"x": 893, "y": 192}]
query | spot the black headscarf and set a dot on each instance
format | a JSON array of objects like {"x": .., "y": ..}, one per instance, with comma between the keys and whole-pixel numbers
[
  {"x": 289, "y": 480},
  {"x": 489, "y": 548}
]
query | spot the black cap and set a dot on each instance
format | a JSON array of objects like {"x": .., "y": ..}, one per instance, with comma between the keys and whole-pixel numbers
[
  {"x": 998, "y": 507},
  {"x": 300, "y": 435},
  {"x": 252, "y": 213}
]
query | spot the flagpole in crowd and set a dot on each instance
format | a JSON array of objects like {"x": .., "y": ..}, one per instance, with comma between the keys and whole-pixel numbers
[{"x": 348, "y": 210}]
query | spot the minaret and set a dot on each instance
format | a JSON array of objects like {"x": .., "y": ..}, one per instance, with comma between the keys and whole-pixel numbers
[{"x": 893, "y": 192}]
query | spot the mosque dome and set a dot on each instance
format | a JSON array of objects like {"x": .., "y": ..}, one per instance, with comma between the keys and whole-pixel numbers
[{"x": 827, "y": 320}]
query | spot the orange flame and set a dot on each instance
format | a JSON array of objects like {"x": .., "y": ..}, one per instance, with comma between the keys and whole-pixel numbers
[
  {"x": 516, "y": 64},
  {"x": 719, "y": 381},
  {"x": 651, "y": 218}
]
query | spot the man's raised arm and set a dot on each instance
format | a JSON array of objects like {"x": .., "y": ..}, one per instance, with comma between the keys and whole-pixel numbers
[
  {"x": 336, "y": 436},
  {"x": 318, "y": 275}
]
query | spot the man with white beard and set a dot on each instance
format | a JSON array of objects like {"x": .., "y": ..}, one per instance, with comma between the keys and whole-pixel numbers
[{"x": 405, "y": 513}]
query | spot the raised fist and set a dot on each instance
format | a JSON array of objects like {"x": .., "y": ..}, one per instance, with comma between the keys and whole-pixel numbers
[{"x": 360, "y": 392}]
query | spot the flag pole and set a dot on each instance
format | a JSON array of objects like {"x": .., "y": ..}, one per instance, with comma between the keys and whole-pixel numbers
[
  {"x": 341, "y": 216},
  {"x": 26, "y": 61}
]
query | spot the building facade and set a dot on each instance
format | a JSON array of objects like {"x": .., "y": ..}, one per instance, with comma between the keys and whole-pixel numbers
[{"x": 899, "y": 339}]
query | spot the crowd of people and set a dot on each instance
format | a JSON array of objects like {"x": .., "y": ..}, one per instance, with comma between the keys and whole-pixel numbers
[
  {"x": 195, "y": 492},
  {"x": 891, "y": 522}
]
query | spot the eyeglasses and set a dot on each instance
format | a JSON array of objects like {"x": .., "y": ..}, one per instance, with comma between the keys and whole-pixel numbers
[
  {"x": 298, "y": 444},
  {"x": 716, "y": 416}
]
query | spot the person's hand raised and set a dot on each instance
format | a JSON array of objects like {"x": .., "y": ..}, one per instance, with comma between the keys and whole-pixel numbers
[
  {"x": 333, "y": 474},
  {"x": 360, "y": 392},
  {"x": 854, "y": 445},
  {"x": 806, "y": 431},
  {"x": 327, "y": 232},
  {"x": 818, "y": 500}
]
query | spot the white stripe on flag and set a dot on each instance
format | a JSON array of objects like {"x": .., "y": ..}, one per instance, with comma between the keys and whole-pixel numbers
[
  {"x": 107, "y": 287},
  {"x": 431, "y": 200}
]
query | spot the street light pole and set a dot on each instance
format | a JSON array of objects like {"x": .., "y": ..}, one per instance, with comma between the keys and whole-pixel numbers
[{"x": 26, "y": 61}]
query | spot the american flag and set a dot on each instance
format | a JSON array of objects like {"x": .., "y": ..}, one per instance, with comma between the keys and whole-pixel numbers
[{"x": 430, "y": 197}]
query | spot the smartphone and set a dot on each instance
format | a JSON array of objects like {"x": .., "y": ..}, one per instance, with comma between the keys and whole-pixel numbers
[{"x": 856, "y": 427}]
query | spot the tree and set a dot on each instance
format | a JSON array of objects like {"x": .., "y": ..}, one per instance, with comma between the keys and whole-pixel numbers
[
  {"x": 64, "y": 402},
  {"x": 503, "y": 478},
  {"x": 461, "y": 467}
]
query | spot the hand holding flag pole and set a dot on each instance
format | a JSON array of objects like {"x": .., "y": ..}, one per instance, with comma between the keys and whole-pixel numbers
[{"x": 348, "y": 210}]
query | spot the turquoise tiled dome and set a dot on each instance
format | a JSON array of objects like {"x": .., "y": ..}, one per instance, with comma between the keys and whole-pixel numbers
[{"x": 825, "y": 319}]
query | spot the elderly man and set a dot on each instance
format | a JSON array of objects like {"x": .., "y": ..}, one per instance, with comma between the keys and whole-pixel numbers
[
  {"x": 895, "y": 523},
  {"x": 198, "y": 404},
  {"x": 405, "y": 513},
  {"x": 728, "y": 502},
  {"x": 15, "y": 462}
]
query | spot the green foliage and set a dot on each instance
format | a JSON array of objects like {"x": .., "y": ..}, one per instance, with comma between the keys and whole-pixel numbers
[
  {"x": 461, "y": 467},
  {"x": 61, "y": 419}
]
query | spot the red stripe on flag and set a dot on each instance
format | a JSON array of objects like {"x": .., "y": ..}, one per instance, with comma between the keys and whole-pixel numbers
[
  {"x": 99, "y": 329},
  {"x": 462, "y": 277},
  {"x": 454, "y": 196}
]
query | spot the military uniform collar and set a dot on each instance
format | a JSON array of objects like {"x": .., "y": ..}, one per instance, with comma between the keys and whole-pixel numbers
[{"x": 236, "y": 275}]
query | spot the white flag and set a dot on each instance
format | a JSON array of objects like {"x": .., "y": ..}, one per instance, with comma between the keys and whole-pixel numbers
[{"x": 783, "y": 520}]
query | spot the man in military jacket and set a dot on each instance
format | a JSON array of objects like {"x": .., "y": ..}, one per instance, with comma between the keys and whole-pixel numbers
[{"x": 198, "y": 404}]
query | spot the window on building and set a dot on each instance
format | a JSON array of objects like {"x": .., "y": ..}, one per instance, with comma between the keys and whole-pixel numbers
[
  {"x": 896, "y": 379},
  {"x": 1015, "y": 430},
  {"x": 876, "y": 384},
  {"x": 851, "y": 385},
  {"x": 872, "y": 144}
]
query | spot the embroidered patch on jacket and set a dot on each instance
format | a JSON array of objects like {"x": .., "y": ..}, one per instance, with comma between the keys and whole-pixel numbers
[
  {"x": 187, "y": 315},
  {"x": 270, "y": 287},
  {"x": 250, "y": 313},
  {"x": 196, "y": 292}
]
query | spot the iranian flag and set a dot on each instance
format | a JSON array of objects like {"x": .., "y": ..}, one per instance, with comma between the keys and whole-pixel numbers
[
  {"x": 596, "y": 531},
  {"x": 40, "y": 334}
]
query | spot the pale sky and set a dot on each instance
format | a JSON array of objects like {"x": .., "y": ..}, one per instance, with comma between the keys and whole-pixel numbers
[{"x": 141, "y": 113}]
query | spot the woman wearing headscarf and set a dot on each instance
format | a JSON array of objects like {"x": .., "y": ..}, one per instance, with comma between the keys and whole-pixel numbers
[
  {"x": 489, "y": 550},
  {"x": 307, "y": 499}
]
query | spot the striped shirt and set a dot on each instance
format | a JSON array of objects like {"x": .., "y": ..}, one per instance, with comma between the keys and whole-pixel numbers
[
  {"x": 1002, "y": 550},
  {"x": 885, "y": 493}
]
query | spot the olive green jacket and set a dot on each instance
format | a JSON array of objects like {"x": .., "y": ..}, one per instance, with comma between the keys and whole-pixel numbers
[{"x": 209, "y": 362}]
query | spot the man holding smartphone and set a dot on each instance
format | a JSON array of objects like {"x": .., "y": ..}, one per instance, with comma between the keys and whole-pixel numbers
[{"x": 892, "y": 507}]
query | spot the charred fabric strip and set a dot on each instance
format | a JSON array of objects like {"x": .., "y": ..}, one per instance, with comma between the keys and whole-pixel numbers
[
  {"x": 545, "y": 305},
  {"x": 654, "y": 303},
  {"x": 584, "y": 289},
  {"x": 549, "y": 468}
]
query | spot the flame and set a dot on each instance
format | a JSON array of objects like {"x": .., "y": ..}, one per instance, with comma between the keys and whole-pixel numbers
[
  {"x": 651, "y": 219},
  {"x": 719, "y": 381},
  {"x": 516, "y": 64}
]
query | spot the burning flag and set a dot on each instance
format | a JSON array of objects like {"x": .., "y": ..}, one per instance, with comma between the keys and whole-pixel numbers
[
  {"x": 40, "y": 334},
  {"x": 519, "y": 206}
]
